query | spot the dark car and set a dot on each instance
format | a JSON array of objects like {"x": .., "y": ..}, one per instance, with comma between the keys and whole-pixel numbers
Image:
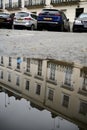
[
  {"x": 52, "y": 19},
  {"x": 6, "y": 20},
  {"x": 80, "y": 23}
]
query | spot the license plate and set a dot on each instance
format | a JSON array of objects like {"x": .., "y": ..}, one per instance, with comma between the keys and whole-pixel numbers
[
  {"x": 47, "y": 18},
  {"x": 19, "y": 20}
]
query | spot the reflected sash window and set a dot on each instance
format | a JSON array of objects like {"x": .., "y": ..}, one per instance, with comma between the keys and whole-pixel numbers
[
  {"x": 52, "y": 71},
  {"x": 85, "y": 83},
  {"x": 2, "y": 62},
  {"x": 1, "y": 74},
  {"x": 18, "y": 62},
  {"x": 38, "y": 89},
  {"x": 28, "y": 65},
  {"x": 27, "y": 84},
  {"x": 65, "y": 102},
  {"x": 17, "y": 81},
  {"x": 9, "y": 77},
  {"x": 39, "y": 68},
  {"x": 50, "y": 94},
  {"x": 68, "y": 75},
  {"x": 83, "y": 108},
  {"x": 10, "y": 61}
]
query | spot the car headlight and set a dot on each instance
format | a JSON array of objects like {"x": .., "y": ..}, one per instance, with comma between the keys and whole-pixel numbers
[{"x": 78, "y": 22}]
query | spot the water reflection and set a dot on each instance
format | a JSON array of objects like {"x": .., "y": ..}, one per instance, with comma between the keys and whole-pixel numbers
[{"x": 42, "y": 94}]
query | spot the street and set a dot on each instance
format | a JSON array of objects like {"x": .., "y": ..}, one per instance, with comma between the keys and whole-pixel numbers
[{"x": 70, "y": 46}]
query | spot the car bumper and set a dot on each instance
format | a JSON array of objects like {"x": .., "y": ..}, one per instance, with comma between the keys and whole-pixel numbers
[
  {"x": 22, "y": 24},
  {"x": 6, "y": 24},
  {"x": 44, "y": 24},
  {"x": 79, "y": 28}
]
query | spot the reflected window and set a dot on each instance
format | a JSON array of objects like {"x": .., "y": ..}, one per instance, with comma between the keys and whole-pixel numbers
[
  {"x": 10, "y": 61},
  {"x": 83, "y": 108},
  {"x": 39, "y": 68},
  {"x": 52, "y": 71},
  {"x": 1, "y": 74},
  {"x": 28, "y": 65},
  {"x": 85, "y": 83},
  {"x": 9, "y": 77},
  {"x": 18, "y": 62},
  {"x": 50, "y": 94},
  {"x": 27, "y": 85},
  {"x": 38, "y": 89},
  {"x": 17, "y": 81},
  {"x": 2, "y": 62},
  {"x": 68, "y": 74},
  {"x": 65, "y": 102}
]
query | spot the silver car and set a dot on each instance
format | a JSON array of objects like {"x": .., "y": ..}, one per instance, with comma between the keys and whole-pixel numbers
[
  {"x": 80, "y": 23},
  {"x": 25, "y": 19}
]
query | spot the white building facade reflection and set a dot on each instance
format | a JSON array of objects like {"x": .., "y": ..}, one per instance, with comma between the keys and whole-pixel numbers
[{"x": 58, "y": 86}]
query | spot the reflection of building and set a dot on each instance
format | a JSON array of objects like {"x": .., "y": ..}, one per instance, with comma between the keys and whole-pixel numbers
[{"x": 58, "y": 86}]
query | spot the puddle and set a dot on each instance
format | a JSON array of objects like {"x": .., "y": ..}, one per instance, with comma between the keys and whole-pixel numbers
[{"x": 42, "y": 94}]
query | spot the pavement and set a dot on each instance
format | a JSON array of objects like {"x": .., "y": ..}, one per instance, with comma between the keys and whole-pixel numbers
[{"x": 71, "y": 47}]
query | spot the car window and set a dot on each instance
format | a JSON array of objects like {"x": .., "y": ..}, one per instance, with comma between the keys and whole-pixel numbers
[
  {"x": 51, "y": 11},
  {"x": 63, "y": 15},
  {"x": 4, "y": 15},
  {"x": 83, "y": 15},
  {"x": 22, "y": 14},
  {"x": 34, "y": 16}
]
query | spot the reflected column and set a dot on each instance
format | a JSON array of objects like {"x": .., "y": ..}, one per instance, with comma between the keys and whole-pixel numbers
[{"x": 3, "y": 4}]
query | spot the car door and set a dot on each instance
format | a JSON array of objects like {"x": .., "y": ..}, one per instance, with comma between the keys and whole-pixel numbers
[{"x": 34, "y": 20}]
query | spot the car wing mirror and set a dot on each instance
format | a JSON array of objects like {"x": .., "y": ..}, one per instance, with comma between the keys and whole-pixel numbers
[{"x": 67, "y": 19}]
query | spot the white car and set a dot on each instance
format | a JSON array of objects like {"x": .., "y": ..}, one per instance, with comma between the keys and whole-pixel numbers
[{"x": 25, "y": 19}]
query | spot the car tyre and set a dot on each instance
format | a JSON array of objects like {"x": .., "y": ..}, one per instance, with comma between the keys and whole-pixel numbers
[
  {"x": 62, "y": 28},
  {"x": 32, "y": 27},
  {"x": 39, "y": 28}
]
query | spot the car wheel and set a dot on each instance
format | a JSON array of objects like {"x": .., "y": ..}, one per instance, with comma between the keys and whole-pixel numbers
[
  {"x": 68, "y": 30},
  {"x": 32, "y": 27},
  {"x": 62, "y": 28},
  {"x": 39, "y": 28},
  {"x": 74, "y": 30},
  {"x": 14, "y": 27}
]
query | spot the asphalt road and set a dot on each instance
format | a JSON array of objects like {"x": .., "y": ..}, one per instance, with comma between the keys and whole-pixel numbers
[{"x": 70, "y": 46}]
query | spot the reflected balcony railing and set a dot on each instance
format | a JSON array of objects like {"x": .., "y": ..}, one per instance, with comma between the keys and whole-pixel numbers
[
  {"x": 67, "y": 85},
  {"x": 58, "y": 2},
  {"x": 27, "y": 71},
  {"x": 51, "y": 80},
  {"x": 83, "y": 90},
  {"x": 39, "y": 75},
  {"x": 84, "y": 87}
]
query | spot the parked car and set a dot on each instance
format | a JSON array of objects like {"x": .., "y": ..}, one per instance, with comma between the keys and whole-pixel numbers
[
  {"x": 25, "y": 19},
  {"x": 80, "y": 23},
  {"x": 6, "y": 19},
  {"x": 52, "y": 19}
]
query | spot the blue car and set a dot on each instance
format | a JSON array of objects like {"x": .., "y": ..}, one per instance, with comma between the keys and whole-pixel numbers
[{"x": 52, "y": 19}]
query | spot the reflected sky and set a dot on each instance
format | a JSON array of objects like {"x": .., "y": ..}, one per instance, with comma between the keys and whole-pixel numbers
[{"x": 18, "y": 114}]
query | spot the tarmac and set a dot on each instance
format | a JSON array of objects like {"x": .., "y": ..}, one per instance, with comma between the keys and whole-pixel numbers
[{"x": 71, "y": 47}]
